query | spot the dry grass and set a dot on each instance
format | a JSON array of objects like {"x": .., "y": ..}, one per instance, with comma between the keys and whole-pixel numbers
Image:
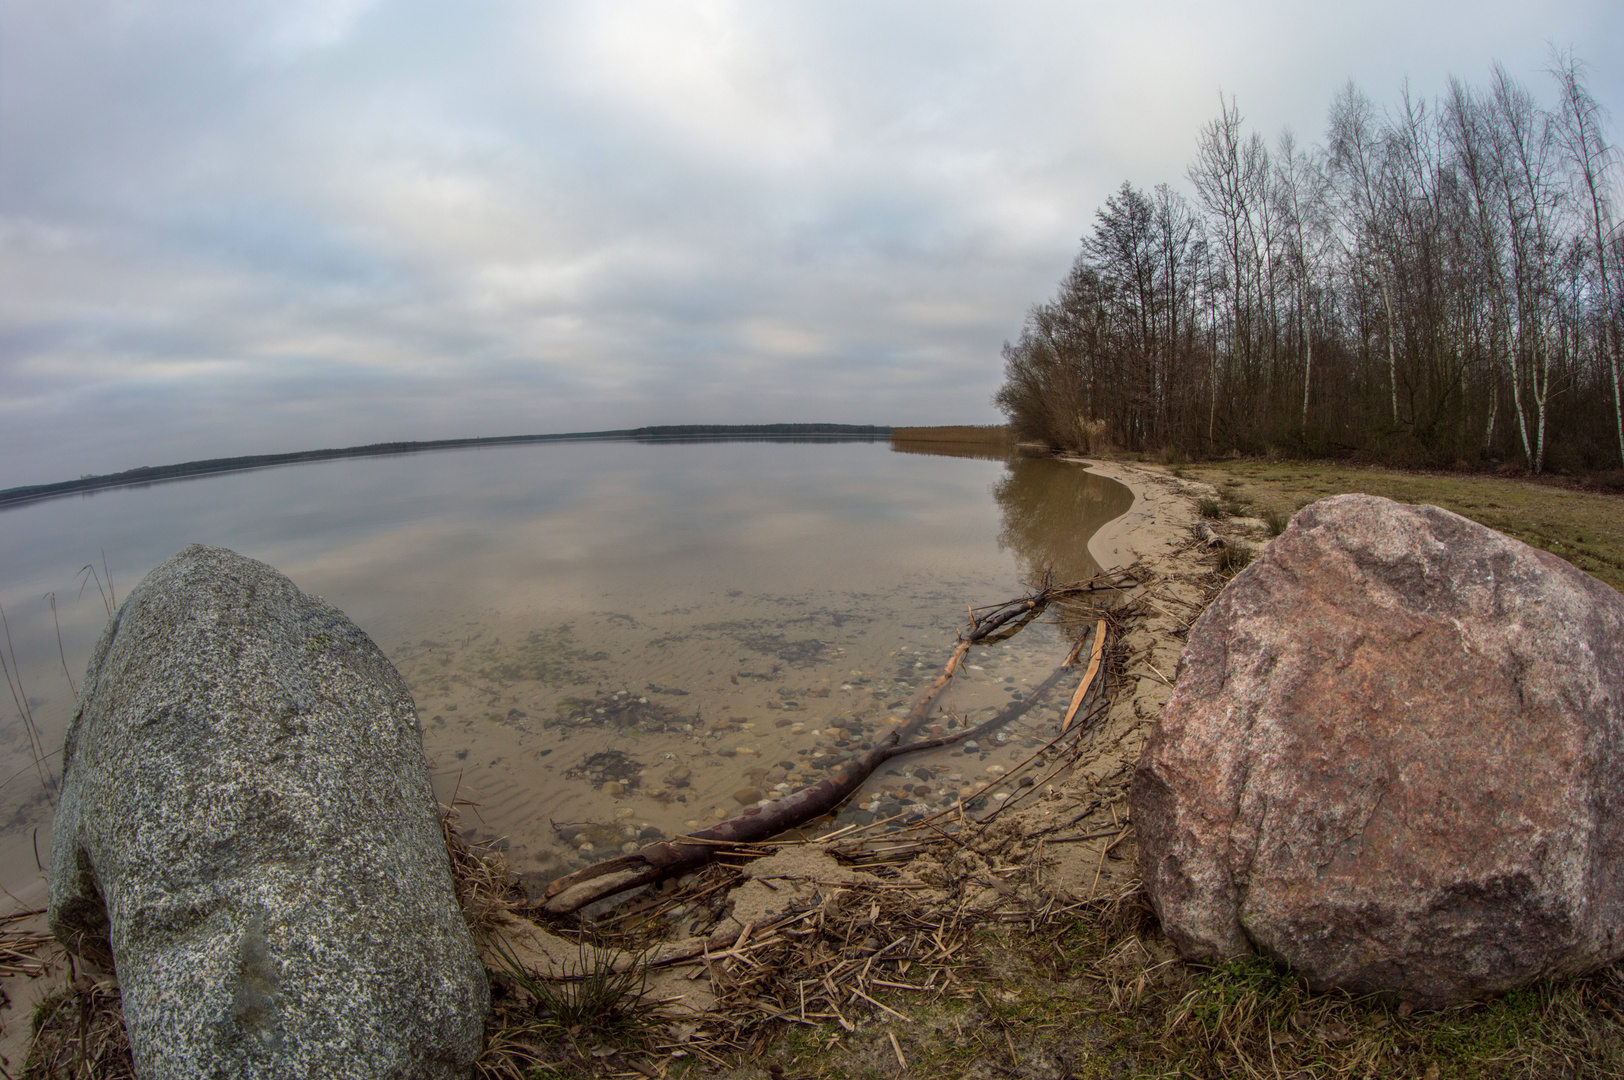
[
  {"x": 78, "y": 1034},
  {"x": 992, "y": 434},
  {"x": 989, "y": 442},
  {"x": 1586, "y": 528}
]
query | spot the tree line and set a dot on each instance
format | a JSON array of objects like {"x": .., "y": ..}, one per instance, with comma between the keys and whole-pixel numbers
[{"x": 1438, "y": 283}]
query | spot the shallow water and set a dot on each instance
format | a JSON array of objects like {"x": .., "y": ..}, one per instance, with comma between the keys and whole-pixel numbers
[{"x": 606, "y": 641}]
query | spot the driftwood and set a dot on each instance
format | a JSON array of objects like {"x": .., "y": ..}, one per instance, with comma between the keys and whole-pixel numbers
[
  {"x": 1088, "y": 676},
  {"x": 671, "y": 858},
  {"x": 1208, "y": 538}
]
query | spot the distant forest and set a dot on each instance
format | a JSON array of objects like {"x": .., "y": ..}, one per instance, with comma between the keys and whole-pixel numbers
[{"x": 1437, "y": 285}]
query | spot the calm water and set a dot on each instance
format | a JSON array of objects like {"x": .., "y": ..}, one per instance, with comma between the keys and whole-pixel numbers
[{"x": 605, "y": 640}]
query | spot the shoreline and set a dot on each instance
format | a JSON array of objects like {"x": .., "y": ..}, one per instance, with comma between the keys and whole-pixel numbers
[{"x": 146, "y": 475}]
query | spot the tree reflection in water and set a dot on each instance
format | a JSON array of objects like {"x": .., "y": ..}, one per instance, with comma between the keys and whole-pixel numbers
[{"x": 1050, "y": 510}]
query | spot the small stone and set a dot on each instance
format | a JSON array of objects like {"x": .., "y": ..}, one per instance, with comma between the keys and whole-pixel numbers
[
  {"x": 747, "y": 796},
  {"x": 612, "y": 788},
  {"x": 1026, "y": 781}
]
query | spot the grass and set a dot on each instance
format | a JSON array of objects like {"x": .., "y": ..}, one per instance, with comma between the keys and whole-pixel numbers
[
  {"x": 1233, "y": 558},
  {"x": 594, "y": 1007},
  {"x": 1585, "y": 528},
  {"x": 1088, "y": 1001},
  {"x": 996, "y": 434}
]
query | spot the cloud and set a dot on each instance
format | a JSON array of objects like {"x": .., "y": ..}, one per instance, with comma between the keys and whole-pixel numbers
[{"x": 240, "y": 227}]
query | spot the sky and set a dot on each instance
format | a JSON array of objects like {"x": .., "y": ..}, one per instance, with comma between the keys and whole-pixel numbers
[{"x": 241, "y": 227}]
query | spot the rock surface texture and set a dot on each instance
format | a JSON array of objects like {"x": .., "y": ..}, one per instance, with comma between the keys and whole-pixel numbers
[
  {"x": 1394, "y": 760},
  {"x": 246, "y": 828}
]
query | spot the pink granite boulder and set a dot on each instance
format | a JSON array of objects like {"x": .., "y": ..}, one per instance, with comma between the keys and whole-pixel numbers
[{"x": 1394, "y": 760}]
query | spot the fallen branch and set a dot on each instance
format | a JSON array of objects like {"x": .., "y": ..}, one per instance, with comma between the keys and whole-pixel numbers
[
  {"x": 670, "y": 858},
  {"x": 1208, "y": 538}
]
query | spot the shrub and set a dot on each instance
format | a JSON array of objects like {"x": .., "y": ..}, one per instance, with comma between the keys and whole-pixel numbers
[{"x": 1234, "y": 558}]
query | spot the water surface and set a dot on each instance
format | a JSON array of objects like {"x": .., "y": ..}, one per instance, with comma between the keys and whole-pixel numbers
[{"x": 606, "y": 641}]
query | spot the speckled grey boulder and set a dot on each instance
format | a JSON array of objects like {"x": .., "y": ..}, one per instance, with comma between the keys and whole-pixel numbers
[{"x": 247, "y": 831}]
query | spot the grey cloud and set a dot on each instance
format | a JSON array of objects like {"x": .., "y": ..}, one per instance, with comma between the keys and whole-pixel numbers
[{"x": 238, "y": 227}]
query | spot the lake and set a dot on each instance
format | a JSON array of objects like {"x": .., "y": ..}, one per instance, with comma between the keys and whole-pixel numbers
[{"x": 607, "y": 641}]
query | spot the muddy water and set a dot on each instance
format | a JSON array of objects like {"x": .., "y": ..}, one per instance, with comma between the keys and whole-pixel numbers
[{"x": 609, "y": 642}]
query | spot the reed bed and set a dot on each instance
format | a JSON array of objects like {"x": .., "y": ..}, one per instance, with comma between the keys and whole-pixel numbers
[{"x": 991, "y": 434}]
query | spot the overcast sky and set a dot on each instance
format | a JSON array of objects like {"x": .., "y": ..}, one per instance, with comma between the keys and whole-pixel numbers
[{"x": 232, "y": 228}]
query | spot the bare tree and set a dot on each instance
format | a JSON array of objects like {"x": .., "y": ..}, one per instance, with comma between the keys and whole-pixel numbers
[
  {"x": 1358, "y": 160},
  {"x": 1302, "y": 190},
  {"x": 1592, "y": 161},
  {"x": 1433, "y": 269}
]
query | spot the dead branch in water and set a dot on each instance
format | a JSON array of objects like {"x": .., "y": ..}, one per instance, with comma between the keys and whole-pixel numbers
[{"x": 671, "y": 858}]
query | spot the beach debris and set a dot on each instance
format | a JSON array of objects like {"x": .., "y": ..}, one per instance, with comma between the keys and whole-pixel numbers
[{"x": 657, "y": 862}]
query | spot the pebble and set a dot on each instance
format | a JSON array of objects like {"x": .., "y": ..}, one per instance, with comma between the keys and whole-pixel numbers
[
  {"x": 624, "y": 812},
  {"x": 628, "y": 847},
  {"x": 693, "y": 823},
  {"x": 747, "y": 796},
  {"x": 1026, "y": 781},
  {"x": 612, "y": 787}
]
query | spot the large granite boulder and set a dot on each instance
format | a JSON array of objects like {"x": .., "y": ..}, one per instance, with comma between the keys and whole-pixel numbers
[
  {"x": 247, "y": 831},
  {"x": 1394, "y": 760}
]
